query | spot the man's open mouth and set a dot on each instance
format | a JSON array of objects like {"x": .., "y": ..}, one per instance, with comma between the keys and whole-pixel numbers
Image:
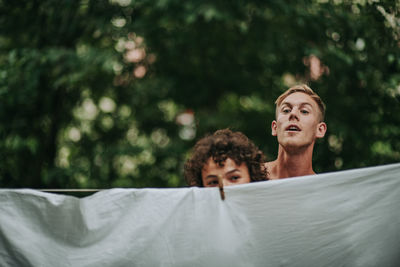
[{"x": 293, "y": 128}]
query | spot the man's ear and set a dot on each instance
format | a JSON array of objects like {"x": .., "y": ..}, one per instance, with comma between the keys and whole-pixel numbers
[
  {"x": 321, "y": 130},
  {"x": 273, "y": 128}
]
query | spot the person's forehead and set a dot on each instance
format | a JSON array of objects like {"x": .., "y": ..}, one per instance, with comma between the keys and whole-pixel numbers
[
  {"x": 228, "y": 164},
  {"x": 299, "y": 98}
]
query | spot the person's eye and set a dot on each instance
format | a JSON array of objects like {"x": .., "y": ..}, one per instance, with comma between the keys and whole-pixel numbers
[
  {"x": 212, "y": 183},
  {"x": 304, "y": 111},
  {"x": 286, "y": 110},
  {"x": 234, "y": 178}
]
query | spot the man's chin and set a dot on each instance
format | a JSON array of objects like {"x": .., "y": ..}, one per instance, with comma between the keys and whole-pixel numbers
[{"x": 294, "y": 147}]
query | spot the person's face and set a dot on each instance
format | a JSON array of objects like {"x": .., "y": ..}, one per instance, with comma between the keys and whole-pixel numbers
[
  {"x": 231, "y": 173},
  {"x": 297, "y": 121}
]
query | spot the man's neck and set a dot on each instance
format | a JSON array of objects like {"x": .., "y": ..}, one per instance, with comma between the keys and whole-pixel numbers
[{"x": 291, "y": 164}]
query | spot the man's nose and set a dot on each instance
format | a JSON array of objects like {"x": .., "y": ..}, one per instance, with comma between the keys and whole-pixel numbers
[{"x": 294, "y": 114}]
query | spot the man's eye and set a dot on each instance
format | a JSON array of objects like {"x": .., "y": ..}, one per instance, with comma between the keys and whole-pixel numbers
[
  {"x": 305, "y": 111},
  {"x": 286, "y": 110}
]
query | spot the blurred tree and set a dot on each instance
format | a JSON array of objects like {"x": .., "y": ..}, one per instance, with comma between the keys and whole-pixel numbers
[{"x": 115, "y": 93}]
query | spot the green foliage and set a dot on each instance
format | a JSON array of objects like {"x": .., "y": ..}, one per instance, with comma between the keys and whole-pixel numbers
[{"x": 115, "y": 93}]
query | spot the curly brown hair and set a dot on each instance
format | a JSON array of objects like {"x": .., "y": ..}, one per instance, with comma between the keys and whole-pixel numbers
[{"x": 219, "y": 146}]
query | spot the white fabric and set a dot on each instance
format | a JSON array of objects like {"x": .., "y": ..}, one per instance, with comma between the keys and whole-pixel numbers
[{"x": 347, "y": 218}]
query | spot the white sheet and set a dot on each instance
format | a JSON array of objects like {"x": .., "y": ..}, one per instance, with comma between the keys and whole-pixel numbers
[{"x": 347, "y": 218}]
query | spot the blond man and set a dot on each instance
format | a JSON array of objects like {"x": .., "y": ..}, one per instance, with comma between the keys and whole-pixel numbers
[{"x": 299, "y": 122}]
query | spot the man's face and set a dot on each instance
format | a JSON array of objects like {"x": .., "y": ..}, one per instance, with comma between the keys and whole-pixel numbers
[
  {"x": 297, "y": 122},
  {"x": 230, "y": 172}
]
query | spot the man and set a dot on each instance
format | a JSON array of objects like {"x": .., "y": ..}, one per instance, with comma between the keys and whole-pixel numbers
[
  {"x": 226, "y": 154},
  {"x": 299, "y": 121}
]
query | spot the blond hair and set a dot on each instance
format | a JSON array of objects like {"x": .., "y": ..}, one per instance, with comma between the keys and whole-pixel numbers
[{"x": 303, "y": 88}]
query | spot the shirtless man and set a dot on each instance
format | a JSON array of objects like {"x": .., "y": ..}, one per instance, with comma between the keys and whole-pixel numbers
[{"x": 299, "y": 121}]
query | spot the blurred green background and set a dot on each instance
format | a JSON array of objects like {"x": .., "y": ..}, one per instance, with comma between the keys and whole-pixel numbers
[{"x": 101, "y": 94}]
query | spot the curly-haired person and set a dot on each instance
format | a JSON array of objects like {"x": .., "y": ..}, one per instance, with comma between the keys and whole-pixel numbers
[{"x": 228, "y": 154}]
